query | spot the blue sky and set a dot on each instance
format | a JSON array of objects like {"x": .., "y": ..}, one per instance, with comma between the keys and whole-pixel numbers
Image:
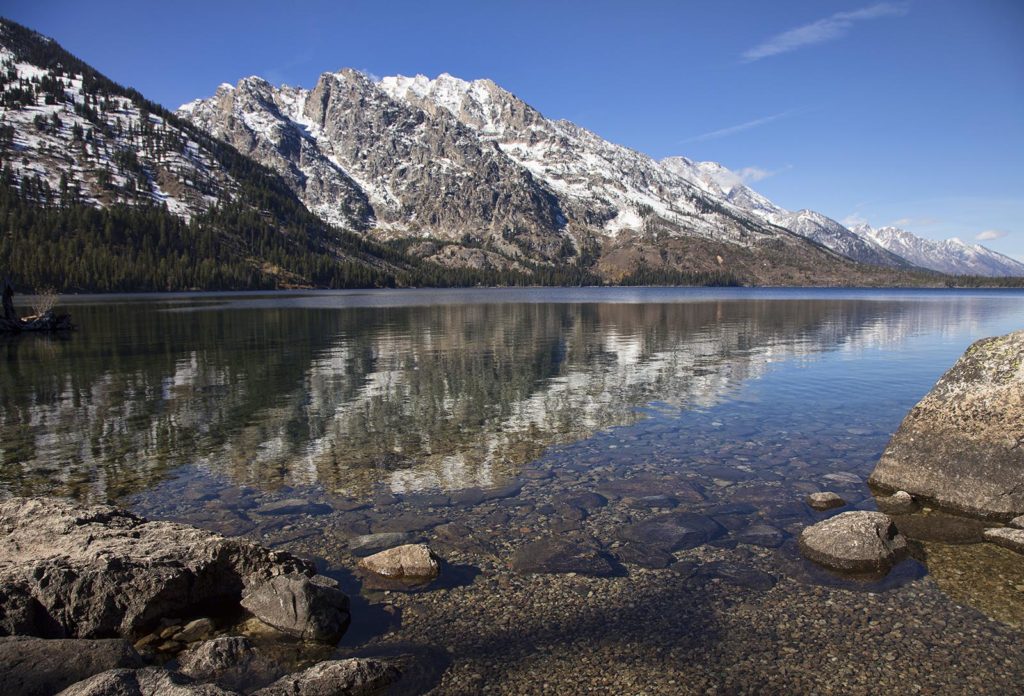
[{"x": 902, "y": 112}]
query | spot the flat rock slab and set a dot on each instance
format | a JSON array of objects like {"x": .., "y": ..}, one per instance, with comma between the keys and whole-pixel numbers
[
  {"x": 554, "y": 555},
  {"x": 352, "y": 677},
  {"x": 762, "y": 535},
  {"x": 40, "y": 667},
  {"x": 368, "y": 544},
  {"x": 673, "y": 531},
  {"x": 739, "y": 575},
  {"x": 1006, "y": 537},
  {"x": 643, "y": 487},
  {"x": 99, "y": 572},
  {"x": 643, "y": 556},
  {"x": 300, "y": 606},
  {"x": 854, "y": 542},
  {"x": 411, "y": 562},
  {"x": 962, "y": 445}
]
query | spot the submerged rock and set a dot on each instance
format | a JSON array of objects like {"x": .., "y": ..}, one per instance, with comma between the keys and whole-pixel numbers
[
  {"x": 673, "y": 531},
  {"x": 40, "y": 667},
  {"x": 300, "y": 606},
  {"x": 94, "y": 572},
  {"x": 1006, "y": 537},
  {"x": 555, "y": 555},
  {"x": 762, "y": 535},
  {"x": 414, "y": 562},
  {"x": 825, "y": 500},
  {"x": 854, "y": 542},
  {"x": 962, "y": 445},
  {"x": 352, "y": 677}
]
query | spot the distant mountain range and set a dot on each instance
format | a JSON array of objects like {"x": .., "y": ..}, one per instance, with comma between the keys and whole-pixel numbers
[{"x": 401, "y": 181}]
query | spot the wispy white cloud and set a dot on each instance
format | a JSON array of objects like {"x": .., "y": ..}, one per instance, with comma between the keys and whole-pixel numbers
[
  {"x": 989, "y": 235},
  {"x": 749, "y": 175},
  {"x": 731, "y": 130},
  {"x": 854, "y": 219},
  {"x": 916, "y": 222},
  {"x": 827, "y": 29}
]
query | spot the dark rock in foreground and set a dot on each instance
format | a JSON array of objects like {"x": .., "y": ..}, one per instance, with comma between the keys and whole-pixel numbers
[
  {"x": 231, "y": 662},
  {"x": 150, "y": 681},
  {"x": 854, "y": 542},
  {"x": 39, "y": 667},
  {"x": 962, "y": 445},
  {"x": 96, "y": 572},
  {"x": 352, "y": 677},
  {"x": 307, "y": 608}
]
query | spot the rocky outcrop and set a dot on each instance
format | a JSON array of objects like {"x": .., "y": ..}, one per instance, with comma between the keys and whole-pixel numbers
[
  {"x": 854, "y": 542},
  {"x": 962, "y": 446},
  {"x": 352, "y": 677},
  {"x": 39, "y": 667},
  {"x": 93, "y": 572},
  {"x": 307, "y": 608}
]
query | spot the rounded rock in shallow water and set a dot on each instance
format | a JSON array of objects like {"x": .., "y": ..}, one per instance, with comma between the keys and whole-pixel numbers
[
  {"x": 825, "y": 500},
  {"x": 899, "y": 503},
  {"x": 854, "y": 542},
  {"x": 408, "y": 562}
]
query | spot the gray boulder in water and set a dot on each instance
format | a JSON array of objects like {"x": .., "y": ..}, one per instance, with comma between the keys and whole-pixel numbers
[
  {"x": 99, "y": 572},
  {"x": 962, "y": 446},
  {"x": 311, "y": 609},
  {"x": 854, "y": 542}
]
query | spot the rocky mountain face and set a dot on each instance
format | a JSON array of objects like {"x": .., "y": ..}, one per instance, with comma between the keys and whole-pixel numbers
[
  {"x": 952, "y": 256},
  {"x": 480, "y": 177}
]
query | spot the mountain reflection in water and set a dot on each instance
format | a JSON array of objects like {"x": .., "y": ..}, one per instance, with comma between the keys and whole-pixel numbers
[{"x": 436, "y": 396}]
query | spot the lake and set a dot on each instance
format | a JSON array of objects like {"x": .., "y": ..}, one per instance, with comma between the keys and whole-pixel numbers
[{"x": 488, "y": 421}]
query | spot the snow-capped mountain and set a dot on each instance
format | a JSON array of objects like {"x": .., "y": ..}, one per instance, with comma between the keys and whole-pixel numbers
[
  {"x": 718, "y": 180},
  {"x": 952, "y": 256},
  {"x": 484, "y": 178}
]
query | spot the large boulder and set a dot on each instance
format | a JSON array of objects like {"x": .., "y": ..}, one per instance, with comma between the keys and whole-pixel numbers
[
  {"x": 962, "y": 446},
  {"x": 97, "y": 572},
  {"x": 854, "y": 542},
  {"x": 40, "y": 667},
  {"x": 351, "y": 677},
  {"x": 307, "y": 608}
]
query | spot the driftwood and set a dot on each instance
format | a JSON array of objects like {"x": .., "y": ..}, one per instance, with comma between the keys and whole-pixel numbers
[{"x": 10, "y": 322}]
